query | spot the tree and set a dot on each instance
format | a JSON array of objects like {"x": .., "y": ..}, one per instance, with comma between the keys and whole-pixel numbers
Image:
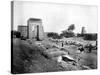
[
  {"x": 71, "y": 27},
  {"x": 68, "y": 32},
  {"x": 16, "y": 34},
  {"x": 53, "y": 35}
]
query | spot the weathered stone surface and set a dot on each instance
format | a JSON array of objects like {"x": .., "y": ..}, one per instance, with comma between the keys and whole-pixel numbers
[{"x": 35, "y": 29}]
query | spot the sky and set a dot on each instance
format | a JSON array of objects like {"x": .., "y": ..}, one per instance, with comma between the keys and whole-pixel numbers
[{"x": 56, "y": 17}]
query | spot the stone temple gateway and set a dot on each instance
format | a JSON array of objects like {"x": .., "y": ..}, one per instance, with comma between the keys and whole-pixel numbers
[{"x": 35, "y": 29}]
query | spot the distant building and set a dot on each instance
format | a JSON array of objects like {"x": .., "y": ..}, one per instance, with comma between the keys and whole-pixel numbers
[
  {"x": 35, "y": 29},
  {"x": 22, "y": 30}
]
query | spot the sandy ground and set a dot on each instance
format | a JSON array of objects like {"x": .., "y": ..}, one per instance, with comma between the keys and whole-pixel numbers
[{"x": 28, "y": 59}]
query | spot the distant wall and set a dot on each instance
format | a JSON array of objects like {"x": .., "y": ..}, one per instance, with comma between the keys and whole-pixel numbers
[{"x": 88, "y": 36}]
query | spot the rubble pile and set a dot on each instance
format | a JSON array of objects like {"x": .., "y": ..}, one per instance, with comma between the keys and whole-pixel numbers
[{"x": 61, "y": 56}]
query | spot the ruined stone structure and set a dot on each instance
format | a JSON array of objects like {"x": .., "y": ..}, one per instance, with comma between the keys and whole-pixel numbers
[
  {"x": 83, "y": 30},
  {"x": 23, "y": 30},
  {"x": 35, "y": 29}
]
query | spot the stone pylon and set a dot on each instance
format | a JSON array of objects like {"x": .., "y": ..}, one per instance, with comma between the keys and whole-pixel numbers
[{"x": 35, "y": 29}]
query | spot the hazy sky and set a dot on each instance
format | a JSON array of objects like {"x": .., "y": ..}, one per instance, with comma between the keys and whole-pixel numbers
[{"x": 56, "y": 17}]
